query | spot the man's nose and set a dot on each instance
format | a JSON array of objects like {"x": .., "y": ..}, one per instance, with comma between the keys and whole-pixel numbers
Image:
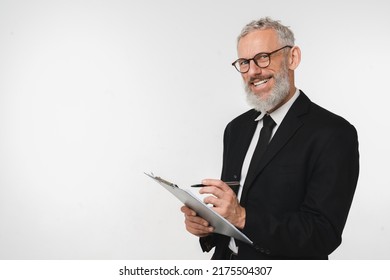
[{"x": 254, "y": 69}]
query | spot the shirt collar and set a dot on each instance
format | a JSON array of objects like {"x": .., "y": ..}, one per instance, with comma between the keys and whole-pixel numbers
[{"x": 279, "y": 114}]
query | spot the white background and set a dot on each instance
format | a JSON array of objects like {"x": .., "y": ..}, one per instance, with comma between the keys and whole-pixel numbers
[{"x": 94, "y": 93}]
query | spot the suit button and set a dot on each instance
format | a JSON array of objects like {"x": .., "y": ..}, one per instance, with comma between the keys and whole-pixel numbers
[
  {"x": 262, "y": 250},
  {"x": 257, "y": 247},
  {"x": 267, "y": 252}
]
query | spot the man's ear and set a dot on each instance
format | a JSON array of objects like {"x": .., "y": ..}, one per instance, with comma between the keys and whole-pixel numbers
[{"x": 295, "y": 58}]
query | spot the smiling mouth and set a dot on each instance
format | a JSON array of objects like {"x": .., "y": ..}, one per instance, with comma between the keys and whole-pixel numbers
[{"x": 256, "y": 84}]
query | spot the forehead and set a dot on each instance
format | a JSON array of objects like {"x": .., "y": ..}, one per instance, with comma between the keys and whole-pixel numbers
[{"x": 257, "y": 41}]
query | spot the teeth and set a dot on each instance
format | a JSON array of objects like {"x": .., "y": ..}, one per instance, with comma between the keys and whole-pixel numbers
[{"x": 261, "y": 82}]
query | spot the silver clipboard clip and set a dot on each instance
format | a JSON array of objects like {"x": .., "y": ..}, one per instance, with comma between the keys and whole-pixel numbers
[{"x": 161, "y": 180}]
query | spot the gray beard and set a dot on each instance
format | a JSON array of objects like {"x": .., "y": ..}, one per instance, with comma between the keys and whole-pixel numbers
[{"x": 278, "y": 93}]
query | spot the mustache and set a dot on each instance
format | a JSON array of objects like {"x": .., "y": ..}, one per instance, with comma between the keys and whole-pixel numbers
[{"x": 259, "y": 78}]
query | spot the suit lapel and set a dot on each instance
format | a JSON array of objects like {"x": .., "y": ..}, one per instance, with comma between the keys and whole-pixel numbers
[{"x": 290, "y": 124}]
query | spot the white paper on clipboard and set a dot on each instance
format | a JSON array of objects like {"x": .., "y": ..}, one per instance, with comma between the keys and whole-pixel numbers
[{"x": 219, "y": 223}]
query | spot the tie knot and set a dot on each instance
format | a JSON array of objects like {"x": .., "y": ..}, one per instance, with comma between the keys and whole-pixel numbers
[{"x": 268, "y": 121}]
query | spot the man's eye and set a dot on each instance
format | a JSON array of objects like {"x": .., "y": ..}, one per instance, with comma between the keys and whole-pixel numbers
[
  {"x": 244, "y": 62},
  {"x": 262, "y": 57}
]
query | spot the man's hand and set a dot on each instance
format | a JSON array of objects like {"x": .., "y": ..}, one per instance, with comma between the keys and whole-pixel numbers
[
  {"x": 225, "y": 201},
  {"x": 195, "y": 224}
]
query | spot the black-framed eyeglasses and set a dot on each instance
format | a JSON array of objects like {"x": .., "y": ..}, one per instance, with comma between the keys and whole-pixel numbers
[{"x": 262, "y": 60}]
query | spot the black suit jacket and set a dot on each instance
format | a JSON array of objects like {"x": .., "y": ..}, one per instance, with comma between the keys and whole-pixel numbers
[{"x": 298, "y": 201}]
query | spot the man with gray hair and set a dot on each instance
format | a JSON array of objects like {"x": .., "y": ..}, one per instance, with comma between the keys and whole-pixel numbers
[{"x": 296, "y": 162}]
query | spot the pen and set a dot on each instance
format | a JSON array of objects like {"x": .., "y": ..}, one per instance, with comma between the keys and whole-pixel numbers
[{"x": 230, "y": 184}]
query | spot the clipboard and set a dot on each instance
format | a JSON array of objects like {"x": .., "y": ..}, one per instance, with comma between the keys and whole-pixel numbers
[{"x": 220, "y": 224}]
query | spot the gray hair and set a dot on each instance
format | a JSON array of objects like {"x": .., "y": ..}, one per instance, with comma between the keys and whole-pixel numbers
[{"x": 285, "y": 35}]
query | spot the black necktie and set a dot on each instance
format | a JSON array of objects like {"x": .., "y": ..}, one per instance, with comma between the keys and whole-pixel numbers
[{"x": 264, "y": 139}]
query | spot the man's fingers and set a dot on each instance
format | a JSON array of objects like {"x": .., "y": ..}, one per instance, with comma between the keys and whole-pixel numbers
[
  {"x": 216, "y": 183},
  {"x": 187, "y": 211},
  {"x": 212, "y": 190},
  {"x": 195, "y": 224}
]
